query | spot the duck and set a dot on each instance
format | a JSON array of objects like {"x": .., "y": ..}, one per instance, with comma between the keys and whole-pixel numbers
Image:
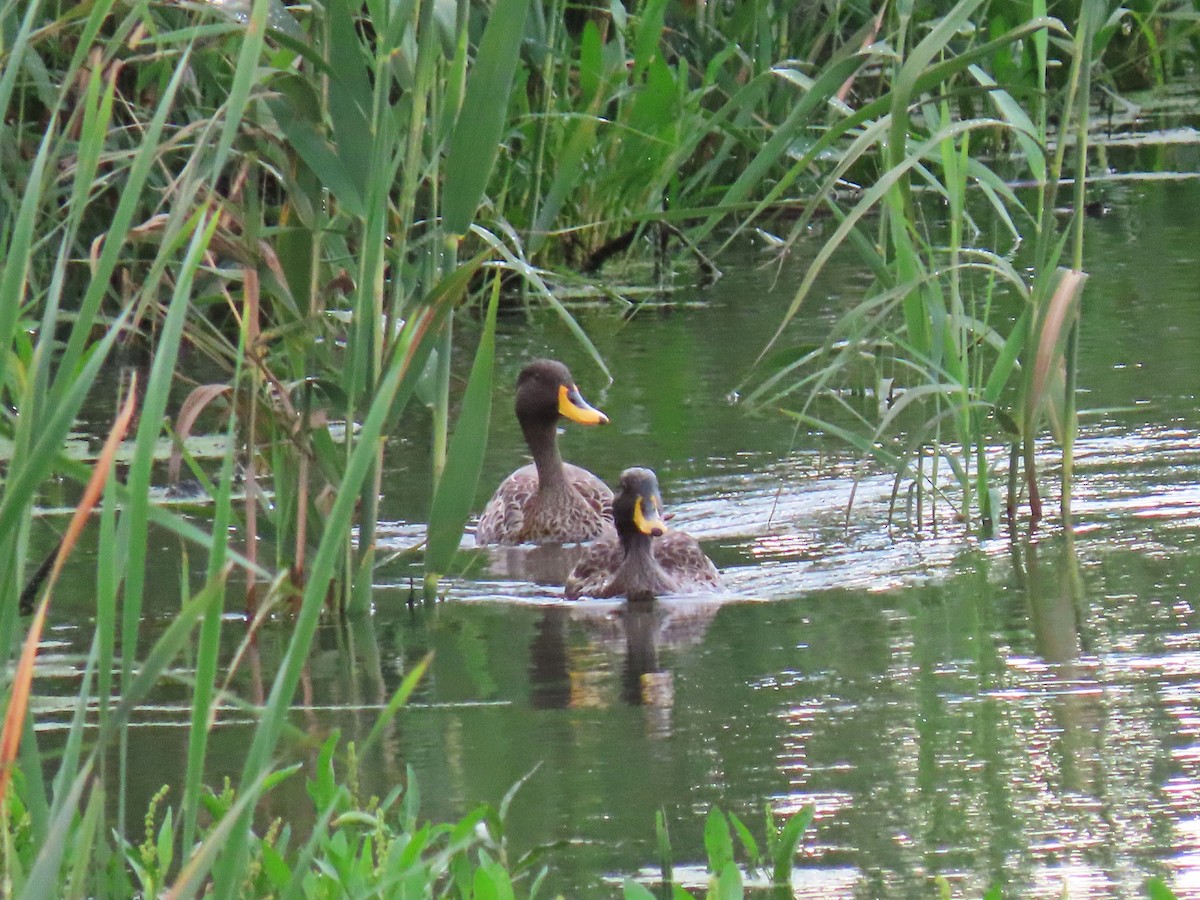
[
  {"x": 644, "y": 559},
  {"x": 548, "y": 501}
]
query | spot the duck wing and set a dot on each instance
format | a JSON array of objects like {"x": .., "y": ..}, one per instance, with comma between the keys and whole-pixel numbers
[
  {"x": 599, "y": 496},
  {"x": 592, "y": 574},
  {"x": 684, "y": 560},
  {"x": 504, "y": 516}
]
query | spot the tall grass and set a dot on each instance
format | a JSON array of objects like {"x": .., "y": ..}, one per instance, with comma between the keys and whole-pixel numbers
[
  {"x": 955, "y": 347},
  {"x": 291, "y": 208}
]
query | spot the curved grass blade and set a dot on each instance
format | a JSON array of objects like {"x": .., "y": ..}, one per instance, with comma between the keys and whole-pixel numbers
[
  {"x": 18, "y": 703},
  {"x": 407, "y": 686},
  {"x": 455, "y": 493}
]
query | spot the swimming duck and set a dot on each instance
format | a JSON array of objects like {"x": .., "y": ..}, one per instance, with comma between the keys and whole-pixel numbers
[
  {"x": 548, "y": 500},
  {"x": 644, "y": 559}
]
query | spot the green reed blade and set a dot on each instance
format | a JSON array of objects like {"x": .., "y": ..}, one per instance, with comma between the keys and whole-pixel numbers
[
  {"x": 394, "y": 390},
  {"x": 649, "y": 33},
  {"x": 114, "y": 241},
  {"x": 208, "y": 651},
  {"x": 916, "y": 64},
  {"x": 85, "y": 835},
  {"x": 455, "y": 493},
  {"x": 475, "y": 143},
  {"x": 1002, "y": 368},
  {"x": 870, "y": 198},
  {"x": 318, "y": 155},
  {"x": 568, "y": 172},
  {"x": 15, "y": 50},
  {"x": 22, "y": 484},
  {"x": 134, "y": 524},
  {"x": 108, "y": 585},
  {"x": 350, "y": 97},
  {"x": 31, "y": 763},
  {"x": 533, "y": 278},
  {"x": 243, "y": 79},
  {"x": 44, "y": 876},
  {"x": 785, "y": 135},
  {"x": 934, "y": 76},
  {"x": 1024, "y": 130},
  {"x": 411, "y": 679},
  {"x": 194, "y": 874},
  {"x": 14, "y": 278},
  {"x": 73, "y": 747}
]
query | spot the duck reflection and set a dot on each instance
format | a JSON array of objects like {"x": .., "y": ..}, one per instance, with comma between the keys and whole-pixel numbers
[
  {"x": 546, "y": 564},
  {"x": 574, "y": 649}
]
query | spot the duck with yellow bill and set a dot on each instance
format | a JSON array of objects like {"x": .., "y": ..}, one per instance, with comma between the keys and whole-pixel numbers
[
  {"x": 548, "y": 500},
  {"x": 644, "y": 559}
]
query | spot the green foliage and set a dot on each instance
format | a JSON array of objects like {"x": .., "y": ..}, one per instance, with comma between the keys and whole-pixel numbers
[
  {"x": 952, "y": 350},
  {"x": 726, "y": 880},
  {"x": 361, "y": 846}
]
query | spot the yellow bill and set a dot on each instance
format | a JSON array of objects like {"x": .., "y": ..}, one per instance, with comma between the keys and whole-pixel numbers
[
  {"x": 572, "y": 405},
  {"x": 651, "y": 524}
]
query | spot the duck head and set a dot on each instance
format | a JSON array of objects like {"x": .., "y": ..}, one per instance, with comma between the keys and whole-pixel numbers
[
  {"x": 638, "y": 506},
  {"x": 546, "y": 390}
]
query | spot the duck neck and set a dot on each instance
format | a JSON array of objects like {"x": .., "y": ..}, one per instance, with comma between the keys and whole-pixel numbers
[
  {"x": 640, "y": 576},
  {"x": 542, "y": 438}
]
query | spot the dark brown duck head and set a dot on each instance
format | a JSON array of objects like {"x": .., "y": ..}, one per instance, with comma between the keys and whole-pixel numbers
[
  {"x": 545, "y": 392},
  {"x": 550, "y": 501},
  {"x": 638, "y": 507}
]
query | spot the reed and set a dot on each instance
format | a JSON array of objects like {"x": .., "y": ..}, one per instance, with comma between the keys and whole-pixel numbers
[
  {"x": 220, "y": 217},
  {"x": 949, "y": 369}
]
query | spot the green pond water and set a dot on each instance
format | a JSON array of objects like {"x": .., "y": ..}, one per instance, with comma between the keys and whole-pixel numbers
[{"x": 1023, "y": 711}]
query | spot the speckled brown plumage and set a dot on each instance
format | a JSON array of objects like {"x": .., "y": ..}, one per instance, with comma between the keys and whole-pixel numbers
[
  {"x": 643, "y": 560},
  {"x": 548, "y": 500}
]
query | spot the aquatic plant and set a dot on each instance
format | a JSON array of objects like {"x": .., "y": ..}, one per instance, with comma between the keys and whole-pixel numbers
[
  {"x": 954, "y": 346},
  {"x": 350, "y": 846},
  {"x": 152, "y": 204},
  {"x": 726, "y": 878}
]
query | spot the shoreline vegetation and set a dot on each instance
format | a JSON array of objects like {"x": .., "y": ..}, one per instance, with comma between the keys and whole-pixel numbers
[{"x": 312, "y": 200}]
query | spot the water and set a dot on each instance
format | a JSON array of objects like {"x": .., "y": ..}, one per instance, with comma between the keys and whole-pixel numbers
[{"x": 1006, "y": 711}]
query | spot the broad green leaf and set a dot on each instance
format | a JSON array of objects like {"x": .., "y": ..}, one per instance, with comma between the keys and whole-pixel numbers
[
  {"x": 728, "y": 884},
  {"x": 350, "y": 96},
  {"x": 475, "y": 142},
  {"x": 788, "y": 842},
  {"x": 591, "y": 62},
  {"x": 718, "y": 843},
  {"x": 292, "y": 112},
  {"x": 748, "y": 842}
]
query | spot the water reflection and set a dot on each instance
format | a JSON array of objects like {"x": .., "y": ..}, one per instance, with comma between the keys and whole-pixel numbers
[
  {"x": 545, "y": 564},
  {"x": 569, "y": 638},
  {"x": 1056, "y": 608}
]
